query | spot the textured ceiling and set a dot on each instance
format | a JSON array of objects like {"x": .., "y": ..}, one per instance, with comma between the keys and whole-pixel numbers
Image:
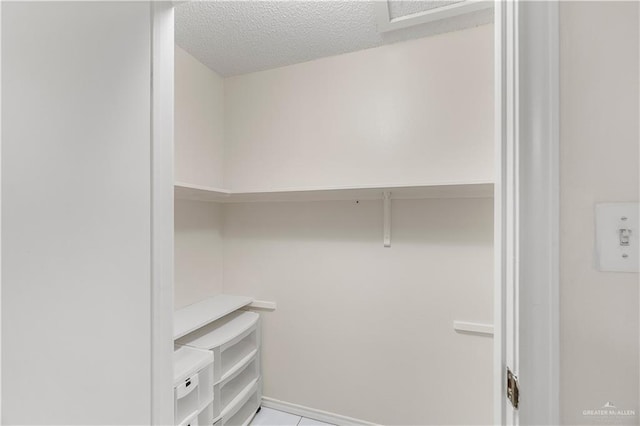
[{"x": 238, "y": 37}]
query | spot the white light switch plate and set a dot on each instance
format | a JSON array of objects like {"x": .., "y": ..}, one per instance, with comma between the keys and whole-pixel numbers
[{"x": 611, "y": 254}]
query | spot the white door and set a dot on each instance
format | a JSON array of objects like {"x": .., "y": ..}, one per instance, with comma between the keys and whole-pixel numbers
[{"x": 526, "y": 209}]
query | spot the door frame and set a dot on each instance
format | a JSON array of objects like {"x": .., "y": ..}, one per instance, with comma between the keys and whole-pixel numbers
[
  {"x": 526, "y": 303},
  {"x": 0, "y": 212},
  {"x": 526, "y": 291},
  {"x": 162, "y": 100}
]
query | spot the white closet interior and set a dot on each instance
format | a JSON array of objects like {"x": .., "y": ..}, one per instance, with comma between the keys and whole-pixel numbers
[{"x": 281, "y": 178}]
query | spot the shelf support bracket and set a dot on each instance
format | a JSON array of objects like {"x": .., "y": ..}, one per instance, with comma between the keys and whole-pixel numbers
[{"x": 386, "y": 234}]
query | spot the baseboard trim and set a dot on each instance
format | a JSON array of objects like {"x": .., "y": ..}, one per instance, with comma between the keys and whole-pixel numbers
[{"x": 313, "y": 413}]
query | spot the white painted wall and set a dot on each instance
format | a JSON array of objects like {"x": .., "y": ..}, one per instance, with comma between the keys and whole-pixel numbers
[
  {"x": 362, "y": 330},
  {"x": 76, "y": 213},
  {"x": 599, "y": 163},
  {"x": 198, "y": 251},
  {"x": 199, "y": 122},
  {"x": 412, "y": 112},
  {"x": 199, "y": 159}
]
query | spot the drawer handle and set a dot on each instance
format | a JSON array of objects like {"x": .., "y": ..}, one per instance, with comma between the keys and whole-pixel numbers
[{"x": 186, "y": 387}]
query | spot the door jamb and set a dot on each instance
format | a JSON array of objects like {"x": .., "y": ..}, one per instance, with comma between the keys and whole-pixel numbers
[
  {"x": 161, "y": 339},
  {"x": 527, "y": 210},
  {"x": 526, "y": 240}
]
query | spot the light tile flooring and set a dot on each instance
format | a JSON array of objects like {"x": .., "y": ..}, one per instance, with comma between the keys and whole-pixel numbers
[{"x": 271, "y": 417}]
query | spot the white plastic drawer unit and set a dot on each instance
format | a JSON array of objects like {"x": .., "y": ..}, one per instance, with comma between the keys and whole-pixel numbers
[
  {"x": 192, "y": 386},
  {"x": 242, "y": 379},
  {"x": 242, "y": 413},
  {"x": 192, "y": 420},
  {"x": 186, "y": 398},
  {"x": 235, "y": 343}
]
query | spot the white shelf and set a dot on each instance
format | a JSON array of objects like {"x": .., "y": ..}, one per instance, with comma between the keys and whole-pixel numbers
[
  {"x": 188, "y": 361},
  {"x": 481, "y": 329},
  {"x": 225, "y": 330},
  {"x": 479, "y": 189},
  {"x": 187, "y": 191},
  {"x": 197, "y": 315}
]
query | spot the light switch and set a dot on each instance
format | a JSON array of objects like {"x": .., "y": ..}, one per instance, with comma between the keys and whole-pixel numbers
[{"x": 617, "y": 232}]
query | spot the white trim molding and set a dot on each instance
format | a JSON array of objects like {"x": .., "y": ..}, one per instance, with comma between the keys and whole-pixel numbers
[
  {"x": 505, "y": 63},
  {"x": 0, "y": 211},
  {"x": 265, "y": 305},
  {"x": 386, "y": 23},
  {"x": 161, "y": 67},
  {"x": 313, "y": 413}
]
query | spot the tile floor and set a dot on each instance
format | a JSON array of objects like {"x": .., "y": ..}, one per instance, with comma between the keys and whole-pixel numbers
[{"x": 271, "y": 417}]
